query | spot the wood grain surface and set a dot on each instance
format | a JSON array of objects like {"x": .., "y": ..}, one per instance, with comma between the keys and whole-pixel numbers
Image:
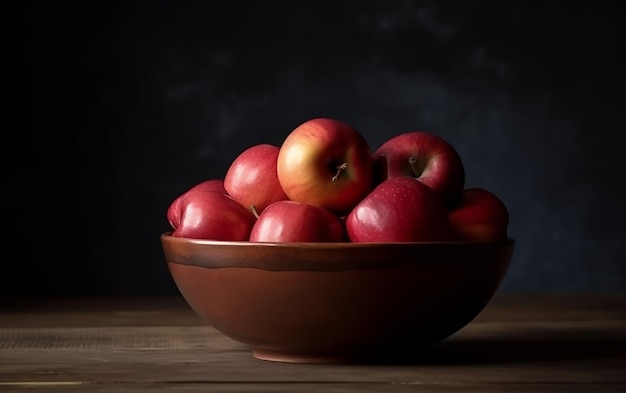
[{"x": 520, "y": 343}]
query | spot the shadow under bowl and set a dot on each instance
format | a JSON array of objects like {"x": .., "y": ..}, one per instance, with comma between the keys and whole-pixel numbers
[{"x": 336, "y": 302}]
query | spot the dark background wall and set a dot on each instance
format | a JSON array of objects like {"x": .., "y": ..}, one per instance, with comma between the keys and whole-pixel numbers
[{"x": 129, "y": 103}]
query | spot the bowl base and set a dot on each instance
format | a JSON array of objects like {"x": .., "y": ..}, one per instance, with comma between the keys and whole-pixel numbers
[
  {"x": 273, "y": 355},
  {"x": 380, "y": 357}
]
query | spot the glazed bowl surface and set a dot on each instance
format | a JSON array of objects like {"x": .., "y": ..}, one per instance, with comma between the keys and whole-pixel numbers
[{"x": 336, "y": 302}]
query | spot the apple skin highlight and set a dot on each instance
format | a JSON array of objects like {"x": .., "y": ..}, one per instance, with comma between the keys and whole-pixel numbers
[
  {"x": 289, "y": 221},
  {"x": 327, "y": 163},
  {"x": 423, "y": 156},
  {"x": 400, "y": 209},
  {"x": 252, "y": 179}
]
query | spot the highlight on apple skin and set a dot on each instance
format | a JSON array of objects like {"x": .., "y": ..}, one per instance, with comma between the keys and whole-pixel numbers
[
  {"x": 252, "y": 178},
  {"x": 400, "y": 209},
  {"x": 324, "y": 184},
  {"x": 426, "y": 157},
  {"x": 206, "y": 214},
  {"x": 290, "y": 221},
  {"x": 174, "y": 209},
  {"x": 327, "y": 163}
]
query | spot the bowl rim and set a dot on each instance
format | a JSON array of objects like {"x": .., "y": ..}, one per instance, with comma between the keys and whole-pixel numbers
[
  {"x": 214, "y": 254},
  {"x": 167, "y": 236}
]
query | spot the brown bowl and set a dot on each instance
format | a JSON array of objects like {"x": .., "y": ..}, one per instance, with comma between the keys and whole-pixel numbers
[{"x": 336, "y": 302}]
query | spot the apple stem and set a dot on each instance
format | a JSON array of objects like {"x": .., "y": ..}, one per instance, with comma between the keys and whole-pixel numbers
[
  {"x": 252, "y": 209},
  {"x": 412, "y": 162},
  {"x": 340, "y": 168}
]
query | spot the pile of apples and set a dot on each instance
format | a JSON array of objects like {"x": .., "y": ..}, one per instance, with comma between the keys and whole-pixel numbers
[{"x": 324, "y": 184}]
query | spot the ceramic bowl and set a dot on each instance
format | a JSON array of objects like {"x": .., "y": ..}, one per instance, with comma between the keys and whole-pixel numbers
[{"x": 336, "y": 302}]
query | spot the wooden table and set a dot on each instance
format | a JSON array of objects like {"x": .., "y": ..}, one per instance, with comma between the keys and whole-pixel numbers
[{"x": 564, "y": 343}]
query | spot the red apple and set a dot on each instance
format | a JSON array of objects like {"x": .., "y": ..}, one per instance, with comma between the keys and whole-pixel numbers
[
  {"x": 400, "y": 209},
  {"x": 425, "y": 157},
  {"x": 174, "y": 209},
  {"x": 206, "y": 214},
  {"x": 290, "y": 221},
  {"x": 480, "y": 216},
  {"x": 326, "y": 163},
  {"x": 252, "y": 180}
]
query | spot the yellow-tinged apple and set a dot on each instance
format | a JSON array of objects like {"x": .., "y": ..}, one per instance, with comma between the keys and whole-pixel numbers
[{"x": 326, "y": 163}]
